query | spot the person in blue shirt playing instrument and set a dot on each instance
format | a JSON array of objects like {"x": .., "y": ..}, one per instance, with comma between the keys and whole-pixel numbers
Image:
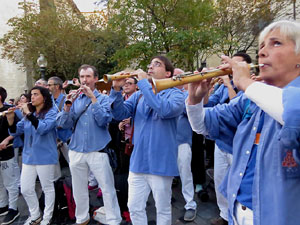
[
  {"x": 261, "y": 128},
  {"x": 223, "y": 159},
  {"x": 184, "y": 140},
  {"x": 39, "y": 152},
  {"x": 153, "y": 160},
  {"x": 89, "y": 116}
]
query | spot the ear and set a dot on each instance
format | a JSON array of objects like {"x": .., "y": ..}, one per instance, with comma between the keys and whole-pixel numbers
[{"x": 168, "y": 74}]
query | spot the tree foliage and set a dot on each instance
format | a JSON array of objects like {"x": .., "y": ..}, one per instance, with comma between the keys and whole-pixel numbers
[
  {"x": 189, "y": 31},
  {"x": 240, "y": 22},
  {"x": 65, "y": 38},
  {"x": 177, "y": 28}
]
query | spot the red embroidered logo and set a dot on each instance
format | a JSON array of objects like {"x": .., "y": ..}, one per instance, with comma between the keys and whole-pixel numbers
[{"x": 289, "y": 160}]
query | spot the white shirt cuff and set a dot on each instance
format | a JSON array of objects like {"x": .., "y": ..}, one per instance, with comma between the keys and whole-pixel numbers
[{"x": 196, "y": 114}]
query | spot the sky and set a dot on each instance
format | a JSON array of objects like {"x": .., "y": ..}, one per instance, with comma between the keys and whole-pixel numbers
[{"x": 86, "y": 5}]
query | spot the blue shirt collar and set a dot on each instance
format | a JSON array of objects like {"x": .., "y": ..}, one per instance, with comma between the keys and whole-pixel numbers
[{"x": 294, "y": 83}]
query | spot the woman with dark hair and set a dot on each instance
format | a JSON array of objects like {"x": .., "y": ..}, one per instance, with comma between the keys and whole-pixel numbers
[{"x": 39, "y": 153}]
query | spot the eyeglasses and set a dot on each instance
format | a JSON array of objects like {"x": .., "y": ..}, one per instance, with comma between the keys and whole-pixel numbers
[
  {"x": 49, "y": 85},
  {"x": 129, "y": 83},
  {"x": 154, "y": 64}
]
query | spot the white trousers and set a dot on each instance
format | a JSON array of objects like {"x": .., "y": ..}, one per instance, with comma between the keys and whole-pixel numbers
[
  {"x": 184, "y": 166},
  {"x": 92, "y": 179},
  {"x": 28, "y": 178},
  {"x": 8, "y": 184},
  {"x": 16, "y": 166},
  {"x": 242, "y": 216},
  {"x": 98, "y": 163},
  {"x": 140, "y": 186},
  {"x": 222, "y": 164}
]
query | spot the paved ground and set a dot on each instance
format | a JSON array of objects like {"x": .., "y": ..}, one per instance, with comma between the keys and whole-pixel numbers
[{"x": 205, "y": 210}]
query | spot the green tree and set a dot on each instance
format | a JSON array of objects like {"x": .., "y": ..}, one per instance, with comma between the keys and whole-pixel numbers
[
  {"x": 64, "y": 37},
  {"x": 178, "y": 28},
  {"x": 240, "y": 22}
]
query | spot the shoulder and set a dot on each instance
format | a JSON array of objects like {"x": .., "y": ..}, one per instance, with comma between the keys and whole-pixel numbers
[
  {"x": 172, "y": 91},
  {"x": 51, "y": 112}
]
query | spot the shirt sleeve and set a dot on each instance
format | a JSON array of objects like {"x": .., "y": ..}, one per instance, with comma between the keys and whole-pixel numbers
[
  {"x": 196, "y": 114},
  {"x": 290, "y": 133},
  {"x": 165, "y": 104},
  {"x": 48, "y": 123},
  {"x": 122, "y": 109},
  {"x": 32, "y": 118},
  {"x": 268, "y": 98},
  {"x": 101, "y": 111}
]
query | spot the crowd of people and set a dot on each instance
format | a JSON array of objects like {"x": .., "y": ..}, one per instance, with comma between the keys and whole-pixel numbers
[{"x": 252, "y": 120}]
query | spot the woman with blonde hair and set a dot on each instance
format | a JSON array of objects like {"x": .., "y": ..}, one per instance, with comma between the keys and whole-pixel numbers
[{"x": 261, "y": 128}]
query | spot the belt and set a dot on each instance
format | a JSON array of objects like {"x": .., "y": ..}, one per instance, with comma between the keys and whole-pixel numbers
[
  {"x": 104, "y": 150},
  {"x": 241, "y": 205}
]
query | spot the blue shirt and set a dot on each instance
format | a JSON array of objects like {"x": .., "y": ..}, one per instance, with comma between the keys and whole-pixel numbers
[
  {"x": 220, "y": 96},
  {"x": 245, "y": 193},
  {"x": 276, "y": 181},
  {"x": 59, "y": 101},
  {"x": 39, "y": 144},
  {"x": 184, "y": 130},
  {"x": 91, "y": 133},
  {"x": 62, "y": 134},
  {"x": 155, "y": 127},
  {"x": 18, "y": 142}
]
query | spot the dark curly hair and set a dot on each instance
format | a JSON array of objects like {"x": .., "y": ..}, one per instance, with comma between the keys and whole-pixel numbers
[
  {"x": 3, "y": 94},
  {"x": 48, "y": 103}
]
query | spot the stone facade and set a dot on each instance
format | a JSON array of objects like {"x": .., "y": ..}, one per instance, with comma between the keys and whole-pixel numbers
[{"x": 12, "y": 77}]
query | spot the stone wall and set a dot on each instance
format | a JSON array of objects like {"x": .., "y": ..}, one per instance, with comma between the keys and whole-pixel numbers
[{"x": 13, "y": 78}]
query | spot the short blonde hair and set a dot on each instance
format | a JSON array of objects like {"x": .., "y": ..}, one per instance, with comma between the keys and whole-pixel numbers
[{"x": 290, "y": 29}]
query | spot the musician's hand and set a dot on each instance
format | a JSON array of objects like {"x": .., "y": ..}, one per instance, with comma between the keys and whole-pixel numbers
[
  {"x": 240, "y": 72},
  {"x": 142, "y": 74},
  {"x": 121, "y": 125},
  {"x": 127, "y": 121},
  {"x": 10, "y": 116},
  {"x": 117, "y": 84},
  {"x": 198, "y": 90},
  {"x": 88, "y": 92},
  {"x": 73, "y": 94},
  {"x": 76, "y": 82},
  {"x": 226, "y": 80},
  {"x": 256, "y": 78},
  {"x": 3, "y": 144},
  {"x": 65, "y": 84},
  {"x": 24, "y": 108}
]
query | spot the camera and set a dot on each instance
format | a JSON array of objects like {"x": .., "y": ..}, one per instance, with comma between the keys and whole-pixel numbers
[{"x": 70, "y": 82}]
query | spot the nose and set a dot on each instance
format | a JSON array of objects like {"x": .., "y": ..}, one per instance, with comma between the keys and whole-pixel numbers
[
  {"x": 262, "y": 52},
  {"x": 84, "y": 80}
]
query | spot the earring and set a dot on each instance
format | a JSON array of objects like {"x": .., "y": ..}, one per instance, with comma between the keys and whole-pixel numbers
[{"x": 298, "y": 65}]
